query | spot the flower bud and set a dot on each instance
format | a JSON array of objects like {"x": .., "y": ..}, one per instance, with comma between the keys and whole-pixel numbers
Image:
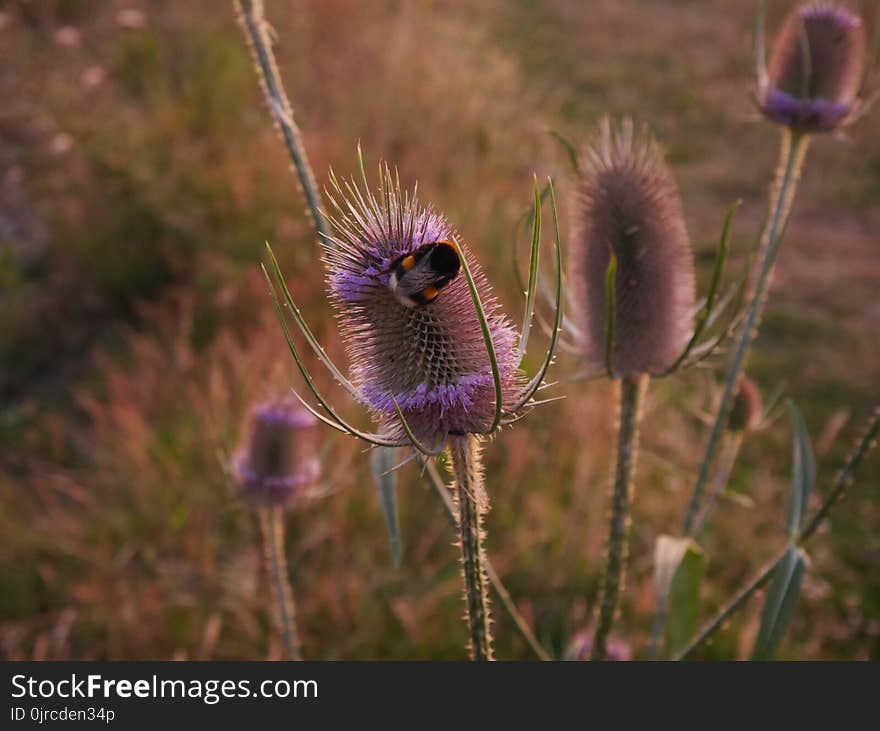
[
  {"x": 748, "y": 410},
  {"x": 278, "y": 458},
  {"x": 815, "y": 69}
]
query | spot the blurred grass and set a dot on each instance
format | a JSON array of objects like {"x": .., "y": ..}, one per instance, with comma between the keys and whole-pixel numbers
[{"x": 140, "y": 178}]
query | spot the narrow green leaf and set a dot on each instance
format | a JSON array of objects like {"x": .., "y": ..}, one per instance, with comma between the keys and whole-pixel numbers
[
  {"x": 487, "y": 339},
  {"x": 684, "y": 599},
  {"x": 570, "y": 150},
  {"x": 709, "y": 311},
  {"x": 679, "y": 566},
  {"x": 779, "y": 604},
  {"x": 803, "y": 471},
  {"x": 382, "y": 463},
  {"x": 532, "y": 290},
  {"x": 610, "y": 311}
]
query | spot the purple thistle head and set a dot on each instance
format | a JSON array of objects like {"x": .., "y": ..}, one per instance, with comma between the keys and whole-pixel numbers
[
  {"x": 409, "y": 324},
  {"x": 278, "y": 459},
  {"x": 629, "y": 206},
  {"x": 816, "y": 68}
]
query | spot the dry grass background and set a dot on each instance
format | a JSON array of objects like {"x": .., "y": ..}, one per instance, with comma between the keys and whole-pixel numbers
[{"x": 139, "y": 178}]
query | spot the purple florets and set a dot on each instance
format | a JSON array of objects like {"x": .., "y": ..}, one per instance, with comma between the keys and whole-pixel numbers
[
  {"x": 431, "y": 359},
  {"x": 278, "y": 457},
  {"x": 815, "y": 69}
]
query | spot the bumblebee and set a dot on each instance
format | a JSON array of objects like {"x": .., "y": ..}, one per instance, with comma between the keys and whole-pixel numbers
[{"x": 417, "y": 278}]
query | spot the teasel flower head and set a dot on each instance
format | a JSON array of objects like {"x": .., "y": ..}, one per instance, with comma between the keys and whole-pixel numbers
[
  {"x": 816, "y": 67},
  {"x": 431, "y": 353},
  {"x": 747, "y": 412},
  {"x": 630, "y": 259},
  {"x": 581, "y": 644},
  {"x": 277, "y": 462}
]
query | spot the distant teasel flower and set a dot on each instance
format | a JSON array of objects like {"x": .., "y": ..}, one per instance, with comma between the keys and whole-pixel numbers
[
  {"x": 629, "y": 208},
  {"x": 277, "y": 461},
  {"x": 816, "y": 67},
  {"x": 748, "y": 408},
  {"x": 581, "y": 644}
]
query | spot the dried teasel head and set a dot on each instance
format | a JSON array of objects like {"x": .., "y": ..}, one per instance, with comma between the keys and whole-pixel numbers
[
  {"x": 629, "y": 209},
  {"x": 816, "y": 67},
  {"x": 277, "y": 461}
]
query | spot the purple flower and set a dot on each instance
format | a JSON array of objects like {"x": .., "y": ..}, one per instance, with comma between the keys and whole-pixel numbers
[
  {"x": 816, "y": 68},
  {"x": 278, "y": 460},
  {"x": 410, "y": 327}
]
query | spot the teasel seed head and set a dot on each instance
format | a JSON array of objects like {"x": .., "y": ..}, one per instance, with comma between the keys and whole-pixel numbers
[
  {"x": 748, "y": 409},
  {"x": 278, "y": 459},
  {"x": 816, "y": 68},
  {"x": 430, "y": 358},
  {"x": 629, "y": 207}
]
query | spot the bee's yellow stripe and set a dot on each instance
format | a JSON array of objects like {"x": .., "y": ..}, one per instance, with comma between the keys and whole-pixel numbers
[
  {"x": 408, "y": 263},
  {"x": 430, "y": 293}
]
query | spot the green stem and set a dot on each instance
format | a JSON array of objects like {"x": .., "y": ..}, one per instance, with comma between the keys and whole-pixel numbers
[
  {"x": 726, "y": 462},
  {"x": 272, "y": 524},
  {"x": 792, "y": 154},
  {"x": 497, "y": 584},
  {"x": 253, "y": 21},
  {"x": 470, "y": 497},
  {"x": 842, "y": 481},
  {"x": 631, "y": 396}
]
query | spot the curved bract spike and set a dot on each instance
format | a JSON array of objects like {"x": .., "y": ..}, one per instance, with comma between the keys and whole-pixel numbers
[
  {"x": 376, "y": 440},
  {"x": 412, "y": 437},
  {"x": 709, "y": 311},
  {"x": 307, "y": 333},
  {"x": 534, "y": 263},
  {"x": 379, "y": 441},
  {"x": 570, "y": 151},
  {"x": 487, "y": 338},
  {"x": 535, "y": 383}
]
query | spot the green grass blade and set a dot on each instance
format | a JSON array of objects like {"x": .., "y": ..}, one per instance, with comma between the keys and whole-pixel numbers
[
  {"x": 535, "y": 383},
  {"x": 383, "y": 461},
  {"x": 803, "y": 472},
  {"x": 779, "y": 604}
]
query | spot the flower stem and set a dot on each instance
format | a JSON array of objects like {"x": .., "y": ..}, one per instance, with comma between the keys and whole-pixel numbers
[
  {"x": 843, "y": 479},
  {"x": 792, "y": 154},
  {"x": 631, "y": 396},
  {"x": 253, "y": 22},
  {"x": 497, "y": 584},
  {"x": 726, "y": 462},
  {"x": 272, "y": 524},
  {"x": 470, "y": 497}
]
